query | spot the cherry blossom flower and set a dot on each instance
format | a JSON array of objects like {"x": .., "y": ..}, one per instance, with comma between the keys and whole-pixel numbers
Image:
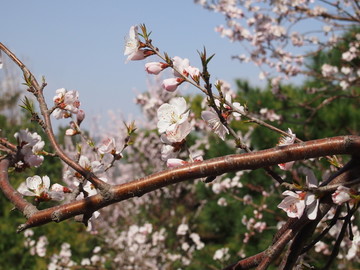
[
  {"x": 181, "y": 68},
  {"x": 213, "y": 120},
  {"x": 107, "y": 146},
  {"x": 287, "y": 140},
  {"x": 355, "y": 246},
  {"x": 297, "y": 202},
  {"x": 177, "y": 133},
  {"x": 171, "y": 114},
  {"x": 328, "y": 70},
  {"x": 293, "y": 204},
  {"x": 132, "y": 45},
  {"x": 41, "y": 246},
  {"x": 31, "y": 145},
  {"x": 39, "y": 187},
  {"x": 196, "y": 239},
  {"x": 222, "y": 202},
  {"x": 168, "y": 151},
  {"x": 182, "y": 229},
  {"x": 221, "y": 254},
  {"x": 341, "y": 195},
  {"x": 67, "y": 102},
  {"x": 95, "y": 166}
]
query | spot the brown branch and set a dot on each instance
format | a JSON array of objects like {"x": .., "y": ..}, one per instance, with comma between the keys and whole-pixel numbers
[
  {"x": 11, "y": 194},
  {"x": 217, "y": 166},
  {"x": 327, "y": 15}
]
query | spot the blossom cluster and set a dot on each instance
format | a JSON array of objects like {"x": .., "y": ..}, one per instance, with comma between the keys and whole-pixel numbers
[
  {"x": 66, "y": 104},
  {"x": 274, "y": 37},
  {"x": 31, "y": 146}
]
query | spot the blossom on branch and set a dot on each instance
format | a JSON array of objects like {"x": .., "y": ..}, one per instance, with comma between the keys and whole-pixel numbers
[
  {"x": 132, "y": 45},
  {"x": 171, "y": 114},
  {"x": 40, "y": 188},
  {"x": 298, "y": 202},
  {"x": 31, "y": 146},
  {"x": 171, "y": 84},
  {"x": 341, "y": 195},
  {"x": 177, "y": 133},
  {"x": 66, "y": 102},
  {"x": 214, "y": 122},
  {"x": 155, "y": 67}
]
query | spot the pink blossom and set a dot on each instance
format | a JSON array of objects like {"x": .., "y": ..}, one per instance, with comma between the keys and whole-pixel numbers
[
  {"x": 221, "y": 254},
  {"x": 39, "y": 187},
  {"x": 213, "y": 120},
  {"x": 132, "y": 46},
  {"x": 182, "y": 229},
  {"x": 155, "y": 67},
  {"x": 328, "y": 70},
  {"x": 107, "y": 146},
  {"x": 67, "y": 102},
  {"x": 171, "y": 114},
  {"x": 177, "y": 133},
  {"x": 296, "y": 202},
  {"x": 180, "y": 66},
  {"x": 293, "y": 204},
  {"x": 175, "y": 162},
  {"x": 341, "y": 195},
  {"x": 171, "y": 84},
  {"x": 31, "y": 146}
]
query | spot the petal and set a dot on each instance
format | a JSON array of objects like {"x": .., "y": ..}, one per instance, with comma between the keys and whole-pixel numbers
[
  {"x": 208, "y": 115},
  {"x": 312, "y": 210},
  {"x": 24, "y": 190},
  {"x": 46, "y": 182},
  {"x": 311, "y": 179},
  {"x": 33, "y": 182},
  {"x": 180, "y": 104}
]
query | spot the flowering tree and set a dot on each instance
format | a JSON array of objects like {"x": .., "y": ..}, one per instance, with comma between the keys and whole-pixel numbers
[{"x": 177, "y": 137}]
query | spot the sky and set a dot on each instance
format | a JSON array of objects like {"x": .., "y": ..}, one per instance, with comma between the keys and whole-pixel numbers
[{"x": 79, "y": 45}]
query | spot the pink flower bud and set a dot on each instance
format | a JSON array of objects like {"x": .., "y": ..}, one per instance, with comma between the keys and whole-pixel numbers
[
  {"x": 80, "y": 116},
  {"x": 155, "y": 67},
  {"x": 175, "y": 162},
  {"x": 171, "y": 84}
]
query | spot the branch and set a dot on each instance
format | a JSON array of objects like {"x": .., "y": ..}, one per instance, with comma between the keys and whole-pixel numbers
[
  {"x": 216, "y": 166},
  {"x": 11, "y": 194}
]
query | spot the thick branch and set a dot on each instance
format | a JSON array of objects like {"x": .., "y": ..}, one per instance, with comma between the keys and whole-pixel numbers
[
  {"x": 216, "y": 166},
  {"x": 11, "y": 194}
]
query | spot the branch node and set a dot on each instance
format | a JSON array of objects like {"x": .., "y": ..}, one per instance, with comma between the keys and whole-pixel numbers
[
  {"x": 30, "y": 210},
  {"x": 56, "y": 216}
]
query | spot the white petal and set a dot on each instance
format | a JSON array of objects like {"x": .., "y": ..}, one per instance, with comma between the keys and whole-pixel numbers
[
  {"x": 46, "y": 182},
  {"x": 24, "y": 190},
  {"x": 312, "y": 210},
  {"x": 179, "y": 103},
  {"x": 33, "y": 182}
]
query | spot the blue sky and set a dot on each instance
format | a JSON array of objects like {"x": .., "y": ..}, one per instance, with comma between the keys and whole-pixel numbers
[{"x": 79, "y": 45}]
